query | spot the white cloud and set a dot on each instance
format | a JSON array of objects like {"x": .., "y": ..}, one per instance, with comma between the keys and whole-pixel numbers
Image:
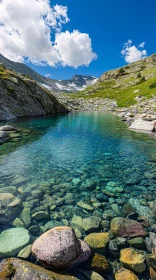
[
  {"x": 131, "y": 53},
  {"x": 31, "y": 30},
  {"x": 142, "y": 45},
  {"x": 48, "y": 75},
  {"x": 74, "y": 48}
]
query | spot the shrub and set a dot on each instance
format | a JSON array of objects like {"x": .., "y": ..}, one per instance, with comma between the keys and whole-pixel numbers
[
  {"x": 121, "y": 71},
  {"x": 153, "y": 85},
  {"x": 139, "y": 75},
  {"x": 10, "y": 90}
]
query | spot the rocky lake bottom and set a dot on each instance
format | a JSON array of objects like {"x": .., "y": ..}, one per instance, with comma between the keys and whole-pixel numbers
[{"x": 80, "y": 170}]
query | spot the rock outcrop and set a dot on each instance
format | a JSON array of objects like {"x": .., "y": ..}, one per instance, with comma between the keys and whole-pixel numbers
[{"x": 23, "y": 97}]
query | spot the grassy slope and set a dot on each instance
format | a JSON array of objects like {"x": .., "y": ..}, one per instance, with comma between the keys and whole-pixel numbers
[{"x": 124, "y": 85}]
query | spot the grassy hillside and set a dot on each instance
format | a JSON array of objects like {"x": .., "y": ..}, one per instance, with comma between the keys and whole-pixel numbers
[{"x": 125, "y": 84}]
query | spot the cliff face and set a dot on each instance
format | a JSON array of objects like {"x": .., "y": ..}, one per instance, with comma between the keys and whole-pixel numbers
[{"x": 21, "y": 97}]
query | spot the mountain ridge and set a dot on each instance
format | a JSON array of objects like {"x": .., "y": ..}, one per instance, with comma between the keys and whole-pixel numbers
[{"x": 76, "y": 83}]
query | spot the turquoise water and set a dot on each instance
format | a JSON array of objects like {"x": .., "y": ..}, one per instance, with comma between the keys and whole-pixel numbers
[{"x": 62, "y": 160}]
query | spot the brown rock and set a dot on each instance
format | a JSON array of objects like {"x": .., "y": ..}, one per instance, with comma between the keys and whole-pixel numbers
[
  {"x": 123, "y": 227},
  {"x": 152, "y": 273},
  {"x": 125, "y": 274},
  {"x": 98, "y": 263},
  {"x": 16, "y": 269},
  {"x": 132, "y": 259},
  {"x": 151, "y": 260}
]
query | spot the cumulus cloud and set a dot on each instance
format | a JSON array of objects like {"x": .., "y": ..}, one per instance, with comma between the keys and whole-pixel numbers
[
  {"x": 31, "y": 30},
  {"x": 131, "y": 53},
  {"x": 74, "y": 48}
]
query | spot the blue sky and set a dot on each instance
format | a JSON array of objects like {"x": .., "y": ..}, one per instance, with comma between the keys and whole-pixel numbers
[{"x": 109, "y": 24}]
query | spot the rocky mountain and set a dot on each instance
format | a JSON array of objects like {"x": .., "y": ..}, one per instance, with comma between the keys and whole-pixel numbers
[
  {"x": 23, "y": 97},
  {"x": 76, "y": 83}
]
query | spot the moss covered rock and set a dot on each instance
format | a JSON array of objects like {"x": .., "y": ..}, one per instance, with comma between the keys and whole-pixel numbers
[
  {"x": 98, "y": 242},
  {"x": 133, "y": 259}
]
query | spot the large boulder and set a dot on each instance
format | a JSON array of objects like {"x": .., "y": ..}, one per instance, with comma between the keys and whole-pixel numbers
[
  {"x": 123, "y": 227},
  {"x": 16, "y": 269},
  {"x": 59, "y": 248},
  {"x": 12, "y": 241},
  {"x": 133, "y": 260},
  {"x": 10, "y": 207},
  {"x": 98, "y": 242},
  {"x": 140, "y": 124}
]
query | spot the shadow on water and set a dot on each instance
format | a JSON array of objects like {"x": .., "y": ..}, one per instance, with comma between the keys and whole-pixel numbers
[{"x": 31, "y": 129}]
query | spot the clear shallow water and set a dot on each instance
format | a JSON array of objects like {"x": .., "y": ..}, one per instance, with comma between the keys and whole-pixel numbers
[{"x": 66, "y": 159}]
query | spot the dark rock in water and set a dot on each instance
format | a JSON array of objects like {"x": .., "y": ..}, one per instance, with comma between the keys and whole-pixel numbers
[
  {"x": 89, "y": 275},
  {"x": 151, "y": 260},
  {"x": 113, "y": 249},
  {"x": 151, "y": 243},
  {"x": 98, "y": 263},
  {"x": 41, "y": 215},
  {"x": 152, "y": 273},
  {"x": 10, "y": 208},
  {"x": 59, "y": 248},
  {"x": 128, "y": 209},
  {"x": 137, "y": 243},
  {"x": 16, "y": 269},
  {"x": 123, "y": 227}
]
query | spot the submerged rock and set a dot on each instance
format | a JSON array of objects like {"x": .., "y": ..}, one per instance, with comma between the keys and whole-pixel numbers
[
  {"x": 41, "y": 215},
  {"x": 123, "y": 227},
  {"x": 60, "y": 248},
  {"x": 10, "y": 208},
  {"x": 25, "y": 252},
  {"x": 125, "y": 274},
  {"x": 12, "y": 241},
  {"x": 90, "y": 275},
  {"x": 152, "y": 273},
  {"x": 85, "y": 206},
  {"x": 98, "y": 263},
  {"x": 137, "y": 242},
  {"x": 98, "y": 242},
  {"x": 140, "y": 209},
  {"x": 91, "y": 224},
  {"x": 132, "y": 259},
  {"x": 151, "y": 243},
  {"x": 16, "y": 269}
]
